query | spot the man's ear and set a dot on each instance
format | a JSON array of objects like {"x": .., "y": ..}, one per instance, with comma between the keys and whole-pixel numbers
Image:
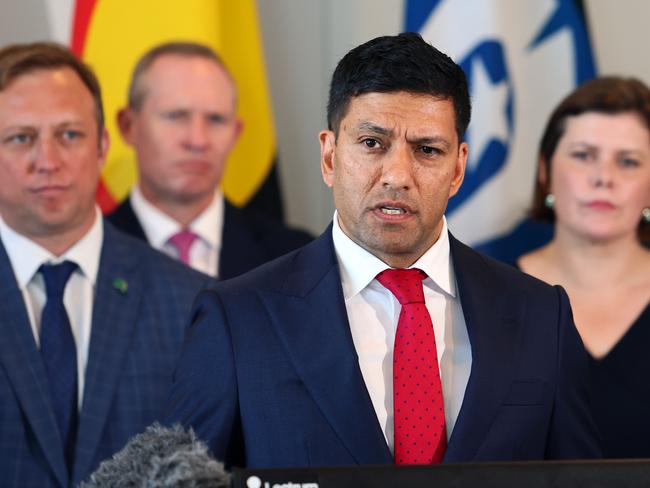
[
  {"x": 104, "y": 143},
  {"x": 237, "y": 131},
  {"x": 125, "y": 124},
  {"x": 327, "y": 145},
  {"x": 459, "y": 169}
]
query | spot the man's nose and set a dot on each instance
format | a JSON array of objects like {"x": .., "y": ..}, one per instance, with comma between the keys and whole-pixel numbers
[
  {"x": 47, "y": 157},
  {"x": 197, "y": 136},
  {"x": 397, "y": 169}
]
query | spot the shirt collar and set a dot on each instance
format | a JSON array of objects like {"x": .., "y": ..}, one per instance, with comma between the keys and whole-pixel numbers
[
  {"x": 26, "y": 256},
  {"x": 209, "y": 222},
  {"x": 359, "y": 267},
  {"x": 159, "y": 227}
]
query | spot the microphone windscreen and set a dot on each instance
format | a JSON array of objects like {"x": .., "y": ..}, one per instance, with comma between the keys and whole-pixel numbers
[{"x": 161, "y": 457}]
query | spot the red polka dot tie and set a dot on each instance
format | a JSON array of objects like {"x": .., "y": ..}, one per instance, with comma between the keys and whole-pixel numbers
[{"x": 419, "y": 414}]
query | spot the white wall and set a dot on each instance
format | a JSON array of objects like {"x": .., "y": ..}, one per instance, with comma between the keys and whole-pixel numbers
[{"x": 620, "y": 36}]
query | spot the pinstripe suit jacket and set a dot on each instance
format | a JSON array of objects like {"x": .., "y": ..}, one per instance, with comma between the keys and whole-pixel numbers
[{"x": 135, "y": 338}]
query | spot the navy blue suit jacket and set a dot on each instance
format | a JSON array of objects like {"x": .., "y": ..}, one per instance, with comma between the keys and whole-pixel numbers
[
  {"x": 248, "y": 239},
  {"x": 269, "y": 375},
  {"x": 135, "y": 339}
]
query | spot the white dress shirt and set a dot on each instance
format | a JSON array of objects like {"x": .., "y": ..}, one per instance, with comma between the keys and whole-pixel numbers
[
  {"x": 26, "y": 257},
  {"x": 373, "y": 312},
  {"x": 208, "y": 226}
]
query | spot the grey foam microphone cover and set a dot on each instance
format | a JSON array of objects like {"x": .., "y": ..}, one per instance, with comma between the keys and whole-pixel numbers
[{"x": 161, "y": 457}]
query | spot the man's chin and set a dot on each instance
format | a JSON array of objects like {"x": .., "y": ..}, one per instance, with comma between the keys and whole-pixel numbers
[
  {"x": 41, "y": 225},
  {"x": 192, "y": 194},
  {"x": 393, "y": 247}
]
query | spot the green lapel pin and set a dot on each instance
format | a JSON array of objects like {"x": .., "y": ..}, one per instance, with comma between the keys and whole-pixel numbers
[{"x": 120, "y": 284}]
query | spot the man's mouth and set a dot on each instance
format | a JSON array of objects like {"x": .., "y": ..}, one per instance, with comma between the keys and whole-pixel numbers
[
  {"x": 49, "y": 190},
  {"x": 392, "y": 210}
]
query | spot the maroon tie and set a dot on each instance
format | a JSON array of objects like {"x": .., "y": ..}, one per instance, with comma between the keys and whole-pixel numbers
[
  {"x": 183, "y": 241},
  {"x": 419, "y": 415}
]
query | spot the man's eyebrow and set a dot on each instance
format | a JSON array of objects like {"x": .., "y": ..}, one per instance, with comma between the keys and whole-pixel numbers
[
  {"x": 30, "y": 127},
  {"x": 374, "y": 128},
  {"x": 16, "y": 127},
  {"x": 424, "y": 140},
  {"x": 70, "y": 122},
  {"x": 429, "y": 140}
]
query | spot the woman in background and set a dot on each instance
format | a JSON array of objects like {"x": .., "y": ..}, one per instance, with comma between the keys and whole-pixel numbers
[{"x": 594, "y": 183}]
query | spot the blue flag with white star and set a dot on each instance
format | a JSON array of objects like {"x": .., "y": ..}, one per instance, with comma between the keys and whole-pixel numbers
[{"x": 520, "y": 58}]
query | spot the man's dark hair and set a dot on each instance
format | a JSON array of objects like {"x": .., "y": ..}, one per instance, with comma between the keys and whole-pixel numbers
[
  {"x": 19, "y": 59},
  {"x": 398, "y": 63},
  {"x": 176, "y": 48},
  {"x": 605, "y": 95}
]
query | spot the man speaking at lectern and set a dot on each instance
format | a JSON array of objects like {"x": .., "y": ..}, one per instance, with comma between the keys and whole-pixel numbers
[{"x": 387, "y": 340}]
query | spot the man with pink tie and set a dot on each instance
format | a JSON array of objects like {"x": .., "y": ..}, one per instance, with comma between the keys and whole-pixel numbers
[{"x": 182, "y": 121}]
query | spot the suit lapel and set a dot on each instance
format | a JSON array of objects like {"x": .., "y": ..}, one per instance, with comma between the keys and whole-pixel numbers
[
  {"x": 310, "y": 318},
  {"x": 24, "y": 368},
  {"x": 115, "y": 311},
  {"x": 494, "y": 329}
]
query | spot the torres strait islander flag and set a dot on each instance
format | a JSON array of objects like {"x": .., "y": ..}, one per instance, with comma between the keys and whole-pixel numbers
[
  {"x": 521, "y": 58},
  {"x": 110, "y": 35}
]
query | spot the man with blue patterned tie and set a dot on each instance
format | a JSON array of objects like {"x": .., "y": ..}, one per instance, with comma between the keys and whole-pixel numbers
[{"x": 91, "y": 320}]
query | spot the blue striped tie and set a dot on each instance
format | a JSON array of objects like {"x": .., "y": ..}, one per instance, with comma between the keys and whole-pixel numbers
[{"x": 60, "y": 354}]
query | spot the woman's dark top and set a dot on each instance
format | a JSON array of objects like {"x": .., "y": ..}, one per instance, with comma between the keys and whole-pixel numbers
[{"x": 620, "y": 389}]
